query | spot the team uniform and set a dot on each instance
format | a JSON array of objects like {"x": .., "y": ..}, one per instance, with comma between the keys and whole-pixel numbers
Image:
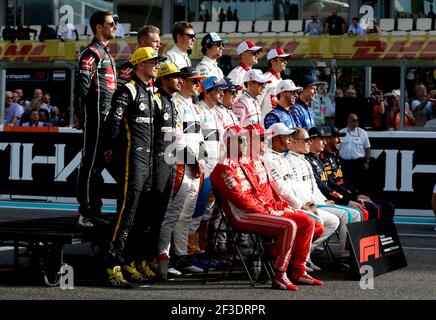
[
  {"x": 130, "y": 134},
  {"x": 245, "y": 211},
  {"x": 186, "y": 184},
  {"x": 304, "y": 115},
  {"x": 280, "y": 114},
  {"x": 209, "y": 67},
  {"x": 95, "y": 85},
  {"x": 212, "y": 131},
  {"x": 247, "y": 109},
  {"x": 302, "y": 181},
  {"x": 268, "y": 100},
  {"x": 377, "y": 209},
  {"x": 178, "y": 57},
  {"x": 323, "y": 185},
  {"x": 262, "y": 182},
  {"x": 237, "y": 74}
]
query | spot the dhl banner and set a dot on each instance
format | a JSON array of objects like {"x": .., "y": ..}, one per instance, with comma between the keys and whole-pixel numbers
[{"x": 309, "y": 47}]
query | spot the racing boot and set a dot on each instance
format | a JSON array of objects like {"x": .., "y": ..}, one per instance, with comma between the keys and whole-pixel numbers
[
  {"x": 306, "y": 279},
  {"x": 282, "y": 282},
  {"x": 132, "y": 274},
  {"x": 145, "y": 269},
  {"x": 115, "y": 277}
]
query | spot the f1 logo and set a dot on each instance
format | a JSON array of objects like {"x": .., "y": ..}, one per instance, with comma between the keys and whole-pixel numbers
[{"x": 369, "y": 246}]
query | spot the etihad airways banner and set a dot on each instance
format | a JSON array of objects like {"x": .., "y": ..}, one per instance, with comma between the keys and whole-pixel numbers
[
  {"x": 304, "y": 47},
  {"x": 44, "y": 162}
]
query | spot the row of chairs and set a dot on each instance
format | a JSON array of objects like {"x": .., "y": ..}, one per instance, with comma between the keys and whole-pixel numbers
[
  {"x": 400, "y": 26},
  {"x": 83, "y": 30}
]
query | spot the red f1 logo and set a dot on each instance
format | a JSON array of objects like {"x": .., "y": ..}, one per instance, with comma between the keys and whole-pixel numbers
[{"x": 369, "y": 246}]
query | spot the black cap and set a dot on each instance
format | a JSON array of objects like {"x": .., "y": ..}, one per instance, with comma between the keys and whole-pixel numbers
[
  {"x": 191, "y": 72},
  {"x": 211, "y": 38},
  {"x": 231, "y": 86},
  {"x": 309, "y": 80},
  {"x": 336, "y": 133},
  {"x": 320, "y": 131}
]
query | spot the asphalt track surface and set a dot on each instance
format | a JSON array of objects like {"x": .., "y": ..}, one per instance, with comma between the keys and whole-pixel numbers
[{"x": 415, "y": 282}]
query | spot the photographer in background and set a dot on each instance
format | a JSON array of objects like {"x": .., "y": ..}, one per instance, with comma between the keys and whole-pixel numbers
[
  {"x": 422, "y": 104},
  {"x": 378, "y": 107}
]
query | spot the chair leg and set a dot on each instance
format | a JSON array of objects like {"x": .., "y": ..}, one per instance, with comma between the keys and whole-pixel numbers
[{"x": 212, "y": 249}]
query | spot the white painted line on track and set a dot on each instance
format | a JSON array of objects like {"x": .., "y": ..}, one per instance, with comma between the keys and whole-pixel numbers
[
  {"x": 418, "y": 235},
  {"x": 419, "y": 248}
]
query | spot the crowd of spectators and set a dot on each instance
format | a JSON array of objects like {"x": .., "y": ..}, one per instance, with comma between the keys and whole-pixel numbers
[{"x": 37, "y": 111}]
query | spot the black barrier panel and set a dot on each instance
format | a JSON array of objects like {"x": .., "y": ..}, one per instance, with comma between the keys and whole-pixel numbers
[
  {"x": 377, "y": 245},
  {"x": 404, "y": 171},
  {"x": 42, "y": 164}
]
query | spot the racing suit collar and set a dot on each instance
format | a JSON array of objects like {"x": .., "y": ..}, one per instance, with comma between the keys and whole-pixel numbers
[
  {"x": 244, "y": 66},
  {"x": 303, "y": 104},
  {"x": 296, "y": 154},
  {"x": 275, "y": 74}
]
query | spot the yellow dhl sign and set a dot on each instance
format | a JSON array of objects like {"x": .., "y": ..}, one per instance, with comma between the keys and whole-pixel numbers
[{"x": 324, "y": 47}]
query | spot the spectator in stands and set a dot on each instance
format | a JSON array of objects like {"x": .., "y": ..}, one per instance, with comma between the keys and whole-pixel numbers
[
  {"x": 120, "y": 28},
  {"x": 235, "y": 15},
  {"x": 323, "y": 103},
  {"x": 287, "y": 9},
  {"x": 229, "y": 14},
  {"x": 248, "y": 54},
  {"x": 21, "y": 101},
  {"x": 34, "y": 120},
  {"x": 247, "y": 108},
  {"x": 287, "y": 94},
  {"x": 421, "y": 105},
  {"x": 37, "y": 96},
  {"x": 373, "y": 27},
  {"x": 47, "y": 33},
  {"x": 12, "y": 110},
  {"x": 314, "y": 27},
  {"x": 355, "y": 29},
  {"x": 54, "y": 116},
  {"x": 351, "y": 93},
  {"x": 335, "y": 25},
  {"x": 184, "y": 40},
  {"x": 355, "y": 153},
  {"x": 222, "y": 16},
  {"x": 431, "y": 14},
  {"x": 394, "y": 114},
  {"x": 207, "y": 15},
  {"x": 67, "y": 31},
  {"x": 8, "y": 34},
  {"x": 277, "y": 61},
  {"x": 44, "y": 115},
  {"x": 212, "y": 50},
  {"x": 23, "y": 33},
  {"x": 148, "y": 36},
  {"x": 45, "y": 102},
  {"x": 303, "y": 112},
  {"x": 339, "y": 93}
]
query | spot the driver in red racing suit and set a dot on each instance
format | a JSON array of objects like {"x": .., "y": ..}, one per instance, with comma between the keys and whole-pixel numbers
[{"x": 247, "y": 212}]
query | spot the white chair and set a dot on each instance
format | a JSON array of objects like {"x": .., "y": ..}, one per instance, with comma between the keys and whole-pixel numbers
[
  {"x": 127, "y": 27},
  {"x": 404, "y": 26},
  {"x": 198, "y": 26},
  {"x": 229, "y": 27},
  {"x": 36, "y": 27},
  {"x": 261, "y": 26},
  {"x": 295, "y": 26},
  {"x": 213, "y": 26},
  {"x": 386, "y": 26},
  {"x": 245, "y": 26},
  {"x": 278, "y": 26},
  {"x": 423, "y": 26}
]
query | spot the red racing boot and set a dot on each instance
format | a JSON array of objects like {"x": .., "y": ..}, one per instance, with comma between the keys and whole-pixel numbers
[
  {"x": 282, "y": 282},
  {"x": 306, "y": 279}
]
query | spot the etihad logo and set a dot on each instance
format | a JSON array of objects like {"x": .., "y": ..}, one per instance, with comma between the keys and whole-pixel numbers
[{"x": 369, "y": 246}]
